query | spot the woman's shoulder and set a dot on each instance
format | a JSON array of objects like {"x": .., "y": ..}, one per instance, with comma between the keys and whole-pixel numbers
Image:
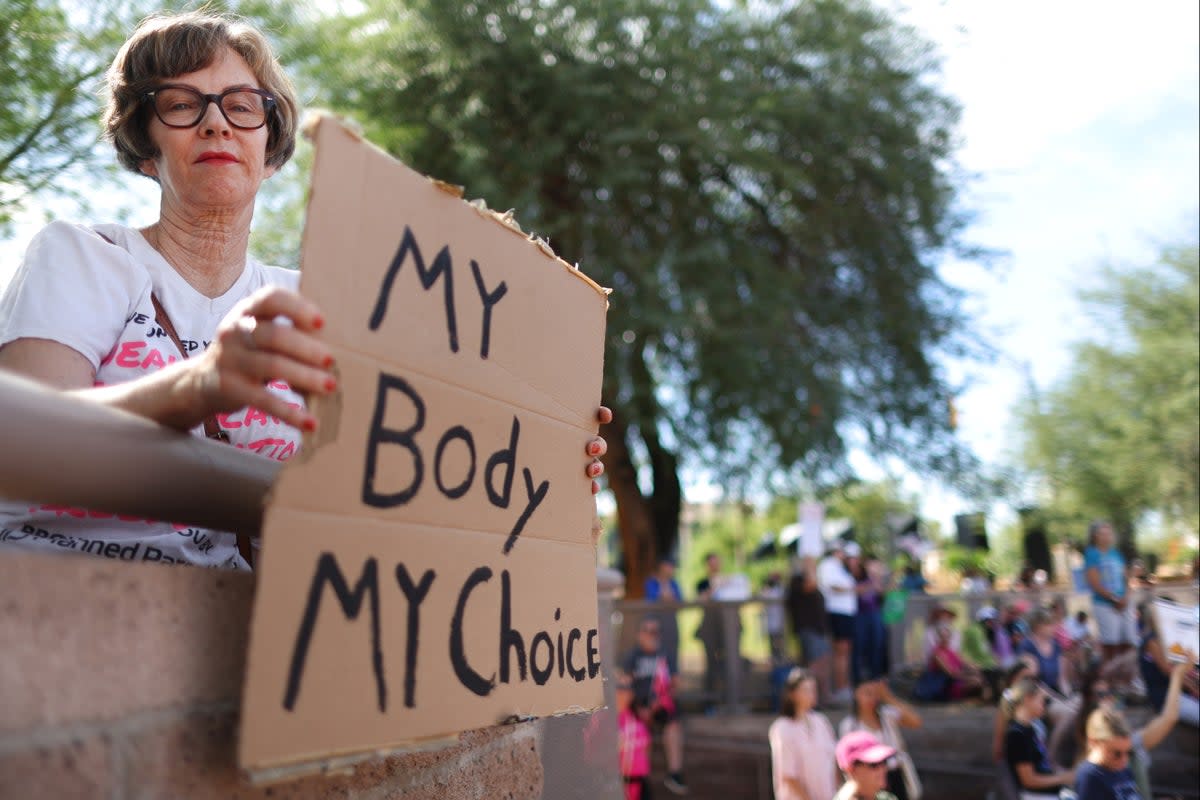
[{"x": 270, "y": 275}]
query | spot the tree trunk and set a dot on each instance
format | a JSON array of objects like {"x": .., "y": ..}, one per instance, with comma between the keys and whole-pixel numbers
[{"x": 634, "y": 515}]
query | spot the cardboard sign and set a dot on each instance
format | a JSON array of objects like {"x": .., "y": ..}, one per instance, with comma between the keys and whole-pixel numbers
[
  {"x": 427, "y": 562},
  {"x": 812, "y": 517},
  {"x": 1178, "y": 631}
]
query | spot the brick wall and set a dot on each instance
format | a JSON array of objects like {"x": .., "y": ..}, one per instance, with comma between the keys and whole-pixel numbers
[{"x": 122, "y": 681}]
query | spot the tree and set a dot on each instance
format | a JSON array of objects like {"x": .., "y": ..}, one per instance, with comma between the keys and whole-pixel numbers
[
  {"x": 1119, "y": 434},
  {"x": 872, "y": 508},
  {"x": 767, "y": 188},
  {"x": 52, "y": 63}
]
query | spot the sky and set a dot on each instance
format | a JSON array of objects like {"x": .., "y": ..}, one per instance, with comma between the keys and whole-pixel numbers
[
  {"x": 1081, "y": 131},
  {"x": 1081, "y": 125}
]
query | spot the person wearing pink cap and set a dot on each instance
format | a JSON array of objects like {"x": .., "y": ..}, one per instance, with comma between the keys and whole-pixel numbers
[{"x": 864, "y": 760}]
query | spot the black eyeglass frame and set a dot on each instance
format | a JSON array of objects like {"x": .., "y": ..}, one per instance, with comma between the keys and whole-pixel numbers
[{"x": 268, "y": 104}]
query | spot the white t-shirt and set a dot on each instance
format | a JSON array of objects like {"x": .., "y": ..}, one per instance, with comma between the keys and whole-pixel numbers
[
  {"x": 92, "y": 296},
  {"x": 832, "y": 574}
]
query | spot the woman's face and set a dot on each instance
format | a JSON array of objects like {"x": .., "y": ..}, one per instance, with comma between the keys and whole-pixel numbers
[
  {"x": 866, "y": 696},
  {"x": 212, "y": 164},
  {"x": 1035, "y": 704},
  {"x": 805, "y": 695},
  {"x": 1104, "y": 537}
]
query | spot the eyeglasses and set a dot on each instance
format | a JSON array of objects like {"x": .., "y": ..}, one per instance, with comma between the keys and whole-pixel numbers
[{"x": 184, "y": 107}]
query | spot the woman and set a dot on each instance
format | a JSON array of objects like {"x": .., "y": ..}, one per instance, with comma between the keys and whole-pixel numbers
[
  {"x": 870, "y": 637},
  {"x": 939, "y": 614},
  {"x": 1097, "y": 696},
  {"x": 1024, "y": 668},
  {"x": 962, "y": 678},
  {"x": 1025, "y": 750},
  {"x": 988, "y": 648},
  {"x": 1052, "y": 672},
  {"x": 174, "y": 321},
  {"x": 878, "y": 712},
  {"x": 1106, "y": 775},
  {"x": 802, "y": 744},
  {"x": 1106, "y": 576}
]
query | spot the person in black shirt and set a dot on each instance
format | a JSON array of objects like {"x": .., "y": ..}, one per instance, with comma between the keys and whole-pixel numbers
[
  {"x": 1025, "y": 752},
  {"x": 806, "y": 611},
  {"x": 654, "y": 697}
]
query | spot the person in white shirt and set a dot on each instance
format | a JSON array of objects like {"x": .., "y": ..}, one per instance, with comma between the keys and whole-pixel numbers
[{"x": 841, "y": 604}]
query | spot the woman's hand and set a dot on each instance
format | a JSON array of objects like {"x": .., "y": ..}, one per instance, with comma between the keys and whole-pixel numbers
[
  {"x": 598, "y": 447},
  {"x": 254, "y": 345}
]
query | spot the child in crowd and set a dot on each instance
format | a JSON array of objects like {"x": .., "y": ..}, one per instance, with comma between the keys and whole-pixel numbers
[
  {"x": 864, "y": 760},
  {"x": 633, "y": 743}
]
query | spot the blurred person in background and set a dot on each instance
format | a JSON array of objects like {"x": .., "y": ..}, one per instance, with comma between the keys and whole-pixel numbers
[
  {"x": 1098, "y": 695},
  {"x": 937, "y": 615},
  {"x": 1025, "y": 750},
  {"x": 1104, "y": 570},
  {"x": 633, "y": 743},
  {"x": 803, "y": 762},
  {"x": 1052, "y": 672},
  {"x": 870, "y": 638},
  {"x": 772, "y": 594},
  {"x": 654, "y": 697},
  {"x": 879, "y": 712},
  {"x": 711, "y": 631},
  {"x": 1156, "y": 670},
  {"x": 1023, "y": 668},
  {"x": 988, "y": 648},
  {"x": 662, "y": 587},
  {"x": 864, "y": 759},
  {"x": 841, "y": 604},
  {"x": 962, "y": 678},
  {"x": 806, "y": 610}
]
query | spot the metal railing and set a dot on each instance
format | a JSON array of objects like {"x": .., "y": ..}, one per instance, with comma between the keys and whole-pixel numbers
[{"x": 745, "y": 677}]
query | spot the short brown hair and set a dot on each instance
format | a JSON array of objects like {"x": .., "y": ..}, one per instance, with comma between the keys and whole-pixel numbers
[{"x": 167, "y": 45}]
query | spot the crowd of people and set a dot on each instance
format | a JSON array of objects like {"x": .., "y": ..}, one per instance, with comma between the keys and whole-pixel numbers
[{"x": 1058, "y": 681}]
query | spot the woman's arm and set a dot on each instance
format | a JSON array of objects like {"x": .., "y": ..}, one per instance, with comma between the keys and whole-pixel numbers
[
  {"x": 248, "y": 350},
  {"x": 943, "y": 666},
  {"x": 1157, "y": 729},
  {"x": 908, "y": 716},
  {"x": 1064, "y": 685},
  {"x": 1028, "y": 779}
]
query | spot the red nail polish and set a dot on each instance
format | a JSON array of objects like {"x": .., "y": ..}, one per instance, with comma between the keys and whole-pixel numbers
[
  {"x": 328, "y": 362},
  {"x": 330, "y": 384},
  {"x": 309, "y": 425},
  {"x": 318, "y": 322}
]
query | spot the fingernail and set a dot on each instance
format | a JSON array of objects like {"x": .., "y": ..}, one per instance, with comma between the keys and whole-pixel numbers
[
  {"x": 594, "y": 449},
  {"x": 328, "y": 362},
  {"x": 309, "y": 424},
  {"x": 318, "y": 322},
  {"x": 596, "y": 469},
  {"x": 330, "y": 384}
]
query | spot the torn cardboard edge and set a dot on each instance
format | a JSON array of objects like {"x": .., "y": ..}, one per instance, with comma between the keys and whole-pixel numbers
[
  {"x": 331, "y": 730},
  {"x": 506, "y": 220}
]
